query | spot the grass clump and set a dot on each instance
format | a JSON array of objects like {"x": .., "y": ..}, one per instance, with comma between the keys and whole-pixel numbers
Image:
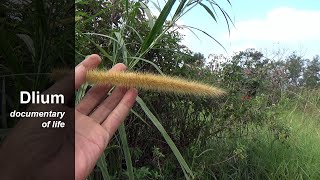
[{"x": 286, "y": 149}]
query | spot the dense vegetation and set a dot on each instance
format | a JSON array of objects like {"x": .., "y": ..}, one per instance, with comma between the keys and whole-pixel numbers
[{"x": 266, "y": 127}]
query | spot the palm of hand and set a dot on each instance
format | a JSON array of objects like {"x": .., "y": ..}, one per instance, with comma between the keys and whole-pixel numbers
[{"x": 49, "y": 153}]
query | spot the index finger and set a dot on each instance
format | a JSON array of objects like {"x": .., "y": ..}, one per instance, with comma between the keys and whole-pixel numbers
[
  {"x": 81, "y": 69},
  {"x": 65, "y": 85}
]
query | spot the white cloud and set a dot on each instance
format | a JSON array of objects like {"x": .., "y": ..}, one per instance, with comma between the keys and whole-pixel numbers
[{"x": 281, "y": 24}]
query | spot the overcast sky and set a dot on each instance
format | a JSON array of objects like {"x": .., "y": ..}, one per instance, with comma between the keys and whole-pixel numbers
[{"x": 291, "y": 25}]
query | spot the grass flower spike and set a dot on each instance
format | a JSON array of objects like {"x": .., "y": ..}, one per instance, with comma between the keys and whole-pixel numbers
[{"x": 154, "y": 82}]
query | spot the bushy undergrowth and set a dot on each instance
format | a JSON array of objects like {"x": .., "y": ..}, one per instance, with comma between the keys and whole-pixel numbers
[
  {"x": 283, "y": 146},
  {"x": 286, "y": 148}
]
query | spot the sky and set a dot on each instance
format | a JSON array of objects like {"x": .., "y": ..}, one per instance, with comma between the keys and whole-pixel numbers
[{"x": 269, "y": 26}]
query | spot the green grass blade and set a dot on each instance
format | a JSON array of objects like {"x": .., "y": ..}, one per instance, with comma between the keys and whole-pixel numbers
[
  {"x": 115, "y": 52},
  {"x": 229, "y": 3},
  {"x": 157, "y": 28},
  {"x": 148, "y": 13},
  {"x": 165, "y": 135},
  {"x": 98, "y": 46},
  {"x": 123, "y": 47},
  {"x": 138, "y": 116},
  {"x": 127, "y": 8},
  {"x": 213, "y": 9},
  {"x": 81, "y": 92},
  {"x": 28, "y": 42},
  {"x": 156, "y": 6},
  {"x": 102, "y": 165},
  {"x": 207, "y": 35},
  {"x": 137, "y": 59},
  {"x": 188, "y": 8},
  {"x": 135, "y": 31},
  {"x": 126, "y": 150},
  {"x": 180, "y": 8},
  {"x": 209, "y": 11},
  {"x": 193, "y": 33},
  {"x": 102, "y": 35},
  {"x": 225, "y": 15}
]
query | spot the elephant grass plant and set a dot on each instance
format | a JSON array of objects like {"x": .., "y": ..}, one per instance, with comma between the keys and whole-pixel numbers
[{"x": 159, "y": 27}]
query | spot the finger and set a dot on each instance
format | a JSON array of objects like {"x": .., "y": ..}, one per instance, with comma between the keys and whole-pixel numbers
[
  {"x": 97, "y": 94},
  {"x": 120, "y": 112},
  {"x": 108, "y": 105},
  {"x": 64, "y": 86},
  {"x": 81, "y": 69}
]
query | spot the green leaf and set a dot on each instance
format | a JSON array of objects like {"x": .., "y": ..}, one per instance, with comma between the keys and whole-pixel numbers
[
  {"x": 207, "y": 35},
  {"x": 149, "y": 14},
  {"x": 225, "y": 15},
  {"x": 138, "y": 116},
  {"x": 102, "y": 165},
  {"x": 135, "y": 31},
  {"x": 137, "y": 59},
  {"x": 81, "y": 92},
  {"x": 180, "y": 8},
  {"x": 126, "y": 150},
  {"x": 156, "y": 6},
  {"x": 165, "y": 135},
  {"x": 209, "y": 11},
  {"x": 127, "y": 8},
  {"x": 29, "y": 43},
  {"x": 193, "y": 33},
  {"x": 97, "y": 45},
  {"x": 157, "y": 28},
  {"x": 123, "y": 47}
]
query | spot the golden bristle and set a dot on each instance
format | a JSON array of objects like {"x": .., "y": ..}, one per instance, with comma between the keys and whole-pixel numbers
[{"x": 154, "y": 82}]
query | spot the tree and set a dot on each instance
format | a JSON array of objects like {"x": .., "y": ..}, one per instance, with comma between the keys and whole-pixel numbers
[
  {"x": 311, "y": 75},
  {"x": 252, "y": 66},
  {"x": 295, "y": 69}
]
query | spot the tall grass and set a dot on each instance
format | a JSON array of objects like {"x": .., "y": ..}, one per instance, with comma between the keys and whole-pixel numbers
[{"x": 287, "y": 148}]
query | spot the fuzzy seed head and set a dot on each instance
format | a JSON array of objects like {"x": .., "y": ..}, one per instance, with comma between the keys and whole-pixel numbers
[{"x": 153, "y": 82}]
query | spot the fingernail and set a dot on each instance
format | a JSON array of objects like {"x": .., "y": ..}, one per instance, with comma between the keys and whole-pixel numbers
[
  {"x": 79, "y": 68},
  {"x": 134, "y": 90}
]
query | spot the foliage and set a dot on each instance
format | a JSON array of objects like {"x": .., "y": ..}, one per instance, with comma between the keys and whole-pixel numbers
[
  {"x": 124, "y": 31},
  {"x": 311, "y": 75},
  {"x": 294, "y": 69},
  {"x": 223, "y": 138},
  {"x": 267, "y": 126}
]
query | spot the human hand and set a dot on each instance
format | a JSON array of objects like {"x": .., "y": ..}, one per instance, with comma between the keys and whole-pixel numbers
[
  {"x": 33, "y": 152},
  {"x": 97, "y": 118}
]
